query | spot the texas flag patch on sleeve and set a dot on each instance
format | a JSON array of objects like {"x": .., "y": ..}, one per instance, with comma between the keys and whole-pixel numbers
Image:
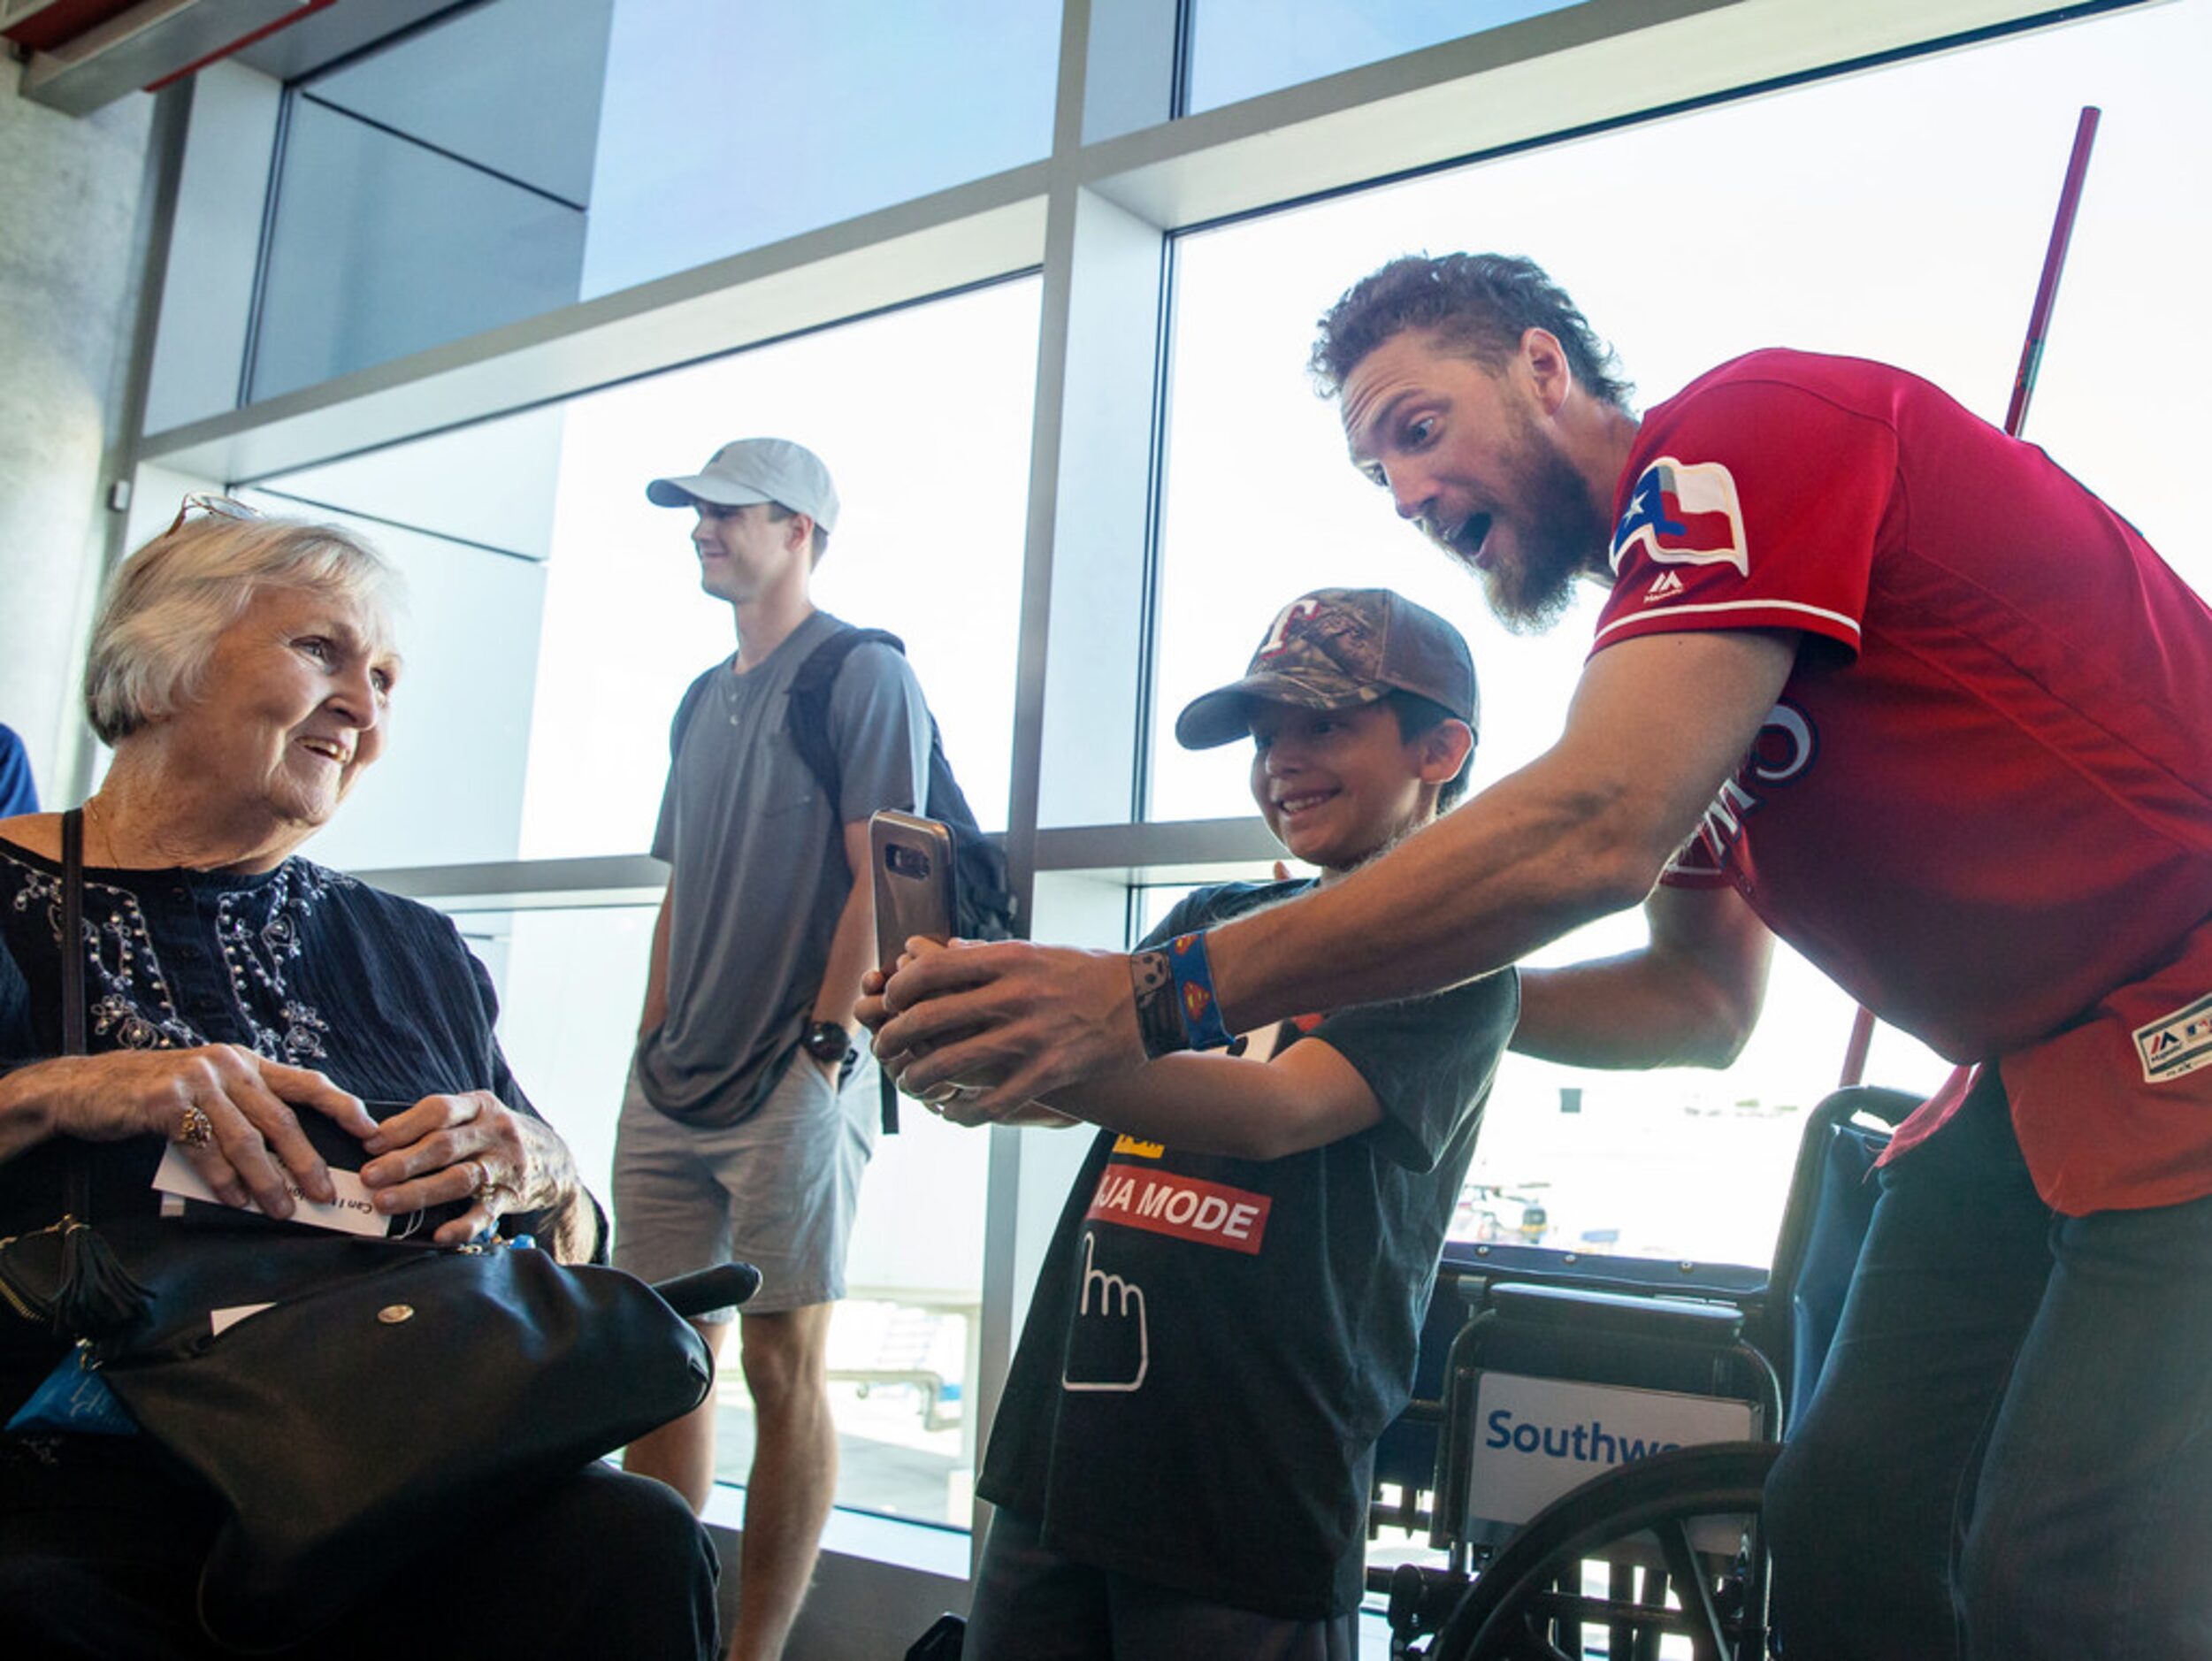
[{"x": 1683, "y": 513}]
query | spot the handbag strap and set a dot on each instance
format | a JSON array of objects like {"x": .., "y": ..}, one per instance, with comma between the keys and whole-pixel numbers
[
  {"x": 92, "y": 1293},
  {"x": 72, "y": 932},
  {"x": 95, "y": 1294},
  {"x": 77, "y": 1201}
]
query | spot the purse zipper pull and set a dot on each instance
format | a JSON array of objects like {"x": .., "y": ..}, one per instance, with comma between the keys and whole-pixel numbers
[{"x": 97, "y": 1295}]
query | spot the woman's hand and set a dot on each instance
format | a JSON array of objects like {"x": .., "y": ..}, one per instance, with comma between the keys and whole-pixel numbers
[
  {"x": 472, "y": 1147},
  {"x": 230, "y": 1111}
]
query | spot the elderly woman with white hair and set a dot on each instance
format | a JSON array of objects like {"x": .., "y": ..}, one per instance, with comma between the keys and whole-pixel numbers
[{"x": 242, "y": 668}]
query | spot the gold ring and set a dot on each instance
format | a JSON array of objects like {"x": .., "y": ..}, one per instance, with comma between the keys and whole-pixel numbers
[
  {"x": 196, "y": 1129},
  {"x": 485, "y": 1186}
]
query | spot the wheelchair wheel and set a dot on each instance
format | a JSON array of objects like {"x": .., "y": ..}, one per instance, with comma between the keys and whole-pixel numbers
[{"x": 1678, "y": 1535}]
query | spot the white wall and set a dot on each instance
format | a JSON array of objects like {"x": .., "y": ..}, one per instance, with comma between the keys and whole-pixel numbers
[{"x": 69, "y": 195}]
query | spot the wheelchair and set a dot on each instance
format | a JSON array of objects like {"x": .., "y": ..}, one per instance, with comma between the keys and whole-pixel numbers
[{"x": 1660, "y": 1556}]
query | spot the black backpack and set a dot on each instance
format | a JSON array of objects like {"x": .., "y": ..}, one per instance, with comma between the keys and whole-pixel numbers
[{"x": 982, "y": 901}]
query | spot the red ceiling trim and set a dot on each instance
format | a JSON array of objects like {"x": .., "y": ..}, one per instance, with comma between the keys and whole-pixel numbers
[{"x": 242, "y": 42}]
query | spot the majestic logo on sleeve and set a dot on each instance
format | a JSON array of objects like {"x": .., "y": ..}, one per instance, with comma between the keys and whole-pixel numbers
[{"x": 1684, "y": 513}]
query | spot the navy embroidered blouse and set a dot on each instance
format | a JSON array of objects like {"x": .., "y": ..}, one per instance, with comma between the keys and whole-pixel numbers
[{"x": 299, "y": 964}]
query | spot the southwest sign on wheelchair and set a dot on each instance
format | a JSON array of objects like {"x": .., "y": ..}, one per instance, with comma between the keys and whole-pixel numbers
[{"x": 1536, "y": 1438}]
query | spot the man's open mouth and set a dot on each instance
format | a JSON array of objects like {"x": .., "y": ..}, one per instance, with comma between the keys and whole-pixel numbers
[{"x": 1467, "y": 541}]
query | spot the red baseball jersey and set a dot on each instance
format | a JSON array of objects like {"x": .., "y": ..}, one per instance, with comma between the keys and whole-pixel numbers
[{"x": 1984, "y": 803}]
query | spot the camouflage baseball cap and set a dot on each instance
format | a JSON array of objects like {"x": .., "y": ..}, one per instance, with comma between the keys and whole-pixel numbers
[{"x": 1338, "y": 649}]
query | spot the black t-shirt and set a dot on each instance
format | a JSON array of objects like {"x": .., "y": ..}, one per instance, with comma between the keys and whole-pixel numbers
[
  {"x": 299, "y": 964},
  {"x": 1215, "y": 1343}
]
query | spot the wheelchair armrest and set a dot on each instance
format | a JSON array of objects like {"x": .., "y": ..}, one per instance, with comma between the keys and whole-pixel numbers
[{"x": 1618, "y": 1314}]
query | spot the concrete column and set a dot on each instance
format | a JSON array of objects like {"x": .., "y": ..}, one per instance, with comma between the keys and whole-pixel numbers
[{"x": 71, "y": 192}]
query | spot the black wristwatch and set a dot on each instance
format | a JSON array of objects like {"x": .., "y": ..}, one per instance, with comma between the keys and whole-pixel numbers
[{"x": 826, "y": 1041}]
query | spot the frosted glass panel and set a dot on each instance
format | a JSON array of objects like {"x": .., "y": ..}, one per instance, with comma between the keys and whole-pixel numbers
[{"x": 384, "y": 246}]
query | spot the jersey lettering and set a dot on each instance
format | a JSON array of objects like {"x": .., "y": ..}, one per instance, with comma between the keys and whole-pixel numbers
[{"x": 1779, "y": 755}]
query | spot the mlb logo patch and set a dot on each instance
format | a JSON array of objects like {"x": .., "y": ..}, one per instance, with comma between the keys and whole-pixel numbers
[
  {"x": 1684, "y": 513},
  {"x": 2177, "y": 1043}
]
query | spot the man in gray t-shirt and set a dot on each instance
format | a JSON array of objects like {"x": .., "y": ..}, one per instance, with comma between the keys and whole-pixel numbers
[{"x": 749, "y": 1114}]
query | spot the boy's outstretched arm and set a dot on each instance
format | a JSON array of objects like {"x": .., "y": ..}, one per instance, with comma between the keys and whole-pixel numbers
[
  {"x": 1689, "y": 997},
  {"x": 1305, "y": 1097}
]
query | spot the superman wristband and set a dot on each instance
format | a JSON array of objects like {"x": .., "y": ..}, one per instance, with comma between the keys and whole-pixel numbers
[
  {"x": 1173, "y": 988},
  {"x": 1152, "y": 988},
  {"x": 1195, "y": 1002}
]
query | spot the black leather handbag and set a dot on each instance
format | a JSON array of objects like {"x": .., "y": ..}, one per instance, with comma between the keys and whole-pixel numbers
[
  {"x": 394, "y": 1407},
  {"x": 382, "y": 1399}
]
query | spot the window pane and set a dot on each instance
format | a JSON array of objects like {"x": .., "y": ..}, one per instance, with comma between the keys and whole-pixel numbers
[
  {"x": 519, "y": 158},
  {"x": 1239, "y": 48},
  {"x": 730, "y": 125},
  {"x": 1678, "y": 1163},
  {"x": 923, "y": 418},
  {"x": 555, "y": 615},
  {"x": 902, "y": 1344},
  {"x": 513, "y": 91},
  {"x": 384, "y": 246}
]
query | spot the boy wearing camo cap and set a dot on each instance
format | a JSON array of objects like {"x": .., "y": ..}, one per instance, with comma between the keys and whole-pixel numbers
[{"x": 1228, "y": 1315}]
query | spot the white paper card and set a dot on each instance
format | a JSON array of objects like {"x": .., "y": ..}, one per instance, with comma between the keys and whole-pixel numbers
[
  {"x": 351, "y": 1212},
  {"x": 222, "y": 1318}
]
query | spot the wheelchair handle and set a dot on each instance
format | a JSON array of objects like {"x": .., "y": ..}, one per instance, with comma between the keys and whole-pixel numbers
[{"x": 718, "y": 1288}]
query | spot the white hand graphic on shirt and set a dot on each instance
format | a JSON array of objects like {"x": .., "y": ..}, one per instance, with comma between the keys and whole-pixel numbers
[{"x": 1109, "y": 1350}]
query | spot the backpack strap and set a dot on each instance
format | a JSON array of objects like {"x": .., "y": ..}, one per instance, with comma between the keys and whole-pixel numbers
[
  {"x": 808, "y": 723},
  {"x": 693, "y": 696},
  {"x": 809, "y": 717}
]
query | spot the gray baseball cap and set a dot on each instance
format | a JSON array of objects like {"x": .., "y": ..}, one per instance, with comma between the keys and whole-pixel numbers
[
  {"x": 755, "y": 470},
  {"x": 1338, "y": 649}
]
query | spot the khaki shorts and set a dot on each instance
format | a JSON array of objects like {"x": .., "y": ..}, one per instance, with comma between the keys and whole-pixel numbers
[{"x": 778, "y": 1190}]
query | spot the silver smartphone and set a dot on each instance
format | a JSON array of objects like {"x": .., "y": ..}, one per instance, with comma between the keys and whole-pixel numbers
[{"x": 912, "y": 863}]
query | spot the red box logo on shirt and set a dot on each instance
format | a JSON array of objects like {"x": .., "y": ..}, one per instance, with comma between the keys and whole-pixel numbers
[{"x": 1207, "y": 1214}]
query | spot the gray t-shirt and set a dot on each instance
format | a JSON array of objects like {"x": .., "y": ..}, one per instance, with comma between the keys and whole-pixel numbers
[{"x": 759, "y": 872}]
